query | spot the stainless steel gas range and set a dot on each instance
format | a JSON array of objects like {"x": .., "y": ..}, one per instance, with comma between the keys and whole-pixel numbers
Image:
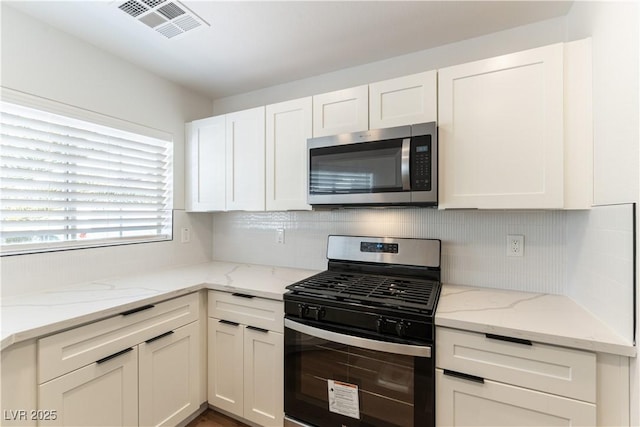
[{"x": 359, "y": 337}]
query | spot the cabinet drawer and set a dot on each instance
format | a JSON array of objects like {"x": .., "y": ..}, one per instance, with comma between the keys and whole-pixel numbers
[
  {"x": 251, "y": 311},
  {"x": 72, "y": 349},
  {"x": 466, "y": 403},
  {"x": 552, "y": 369}
]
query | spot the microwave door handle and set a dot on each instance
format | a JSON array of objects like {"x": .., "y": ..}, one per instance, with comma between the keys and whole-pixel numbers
[
  {"x": 366, "y": 343},
  {"x": 404, "y": 165}
]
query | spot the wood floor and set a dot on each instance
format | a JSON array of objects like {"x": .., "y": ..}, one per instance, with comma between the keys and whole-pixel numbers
[{"x": 210, "y": 418}]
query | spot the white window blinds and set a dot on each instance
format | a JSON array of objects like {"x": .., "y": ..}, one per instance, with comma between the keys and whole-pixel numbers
[{"x": 67, "y": 183}]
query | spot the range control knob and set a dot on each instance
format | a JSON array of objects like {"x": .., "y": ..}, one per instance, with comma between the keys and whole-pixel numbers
[
  {"x": 401, "y": 328},
  {"x": 380, "y": 324},
  {"x": 302, "y": 310},
  {"x": 318, "y": 312}
]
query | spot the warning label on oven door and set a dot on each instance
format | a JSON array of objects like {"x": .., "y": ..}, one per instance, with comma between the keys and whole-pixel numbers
[{"x": 343, "y": 399}]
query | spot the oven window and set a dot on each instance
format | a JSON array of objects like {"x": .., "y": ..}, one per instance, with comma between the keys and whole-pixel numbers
[
  {"x": 369, "y": 167},
  {"x": 392, "y": 390}
]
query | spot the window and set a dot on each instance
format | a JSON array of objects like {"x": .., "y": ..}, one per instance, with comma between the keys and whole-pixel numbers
[{"x": 69, "y": 183}]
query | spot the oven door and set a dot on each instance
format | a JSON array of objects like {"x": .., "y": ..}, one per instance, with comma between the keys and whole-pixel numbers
[
  {"x": 336, "y": 379},
  {"x": 375, "y": 172}
]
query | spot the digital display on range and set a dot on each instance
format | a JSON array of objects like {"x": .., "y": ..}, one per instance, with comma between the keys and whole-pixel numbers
[{"x": 374, "y": 247}]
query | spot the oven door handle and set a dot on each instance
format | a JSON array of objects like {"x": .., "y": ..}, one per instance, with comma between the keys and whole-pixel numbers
[{"x": 366, "y": 343}]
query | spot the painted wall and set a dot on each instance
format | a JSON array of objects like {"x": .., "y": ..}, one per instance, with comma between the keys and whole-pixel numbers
[
  {"x": 519, "y": 38},
  {"x": 39, "y": 60},
  {"x": 599, "y": 280}
]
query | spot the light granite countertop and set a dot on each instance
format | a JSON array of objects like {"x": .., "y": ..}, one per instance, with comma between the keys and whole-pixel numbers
[
  {"x": 551, "y": 319},
  {"x": 29, "y": 316}
]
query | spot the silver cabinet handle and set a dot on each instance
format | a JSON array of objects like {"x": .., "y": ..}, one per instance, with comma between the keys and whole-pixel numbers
[{"x": 369, "y": 344}]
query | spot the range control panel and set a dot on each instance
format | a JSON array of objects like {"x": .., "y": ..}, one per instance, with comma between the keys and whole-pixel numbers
[{"x": 375, "y": 247}]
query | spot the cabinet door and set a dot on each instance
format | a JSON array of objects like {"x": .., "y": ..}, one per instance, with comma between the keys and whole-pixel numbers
[
  {"x": 104, "y": 393},
  {"x": 403, "y": 101},
  {"x": 205, "y": 165},
  {"x": 341, "y": 111},
  {"x": 245, "y": 160},
  {"x": 462, "y": 402},
  {"x": 263, "y": 377},
  {"x": 225, "y": 386},
  {"x": 289, "y": 124},
  {"x": 501, "y": 131},
  {"x": 169, "y": 376}
]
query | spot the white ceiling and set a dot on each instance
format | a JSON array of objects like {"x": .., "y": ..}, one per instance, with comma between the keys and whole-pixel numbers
[{"x": 252, "y": 45}]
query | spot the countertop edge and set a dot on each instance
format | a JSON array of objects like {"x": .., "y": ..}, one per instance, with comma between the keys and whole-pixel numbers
[
  {"x": 543, "y": 338},
  {"x": 543, "y": 318},
  {"x": 74, "y": 322},
  {"x": 197, "y": 277},
  {"x": 96, "y": 316}
]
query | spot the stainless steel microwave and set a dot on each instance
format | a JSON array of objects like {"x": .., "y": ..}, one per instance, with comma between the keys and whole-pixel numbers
[{"x": 386, "y": 167}]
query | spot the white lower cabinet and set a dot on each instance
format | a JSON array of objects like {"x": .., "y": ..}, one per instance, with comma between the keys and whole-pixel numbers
[
  {"x": 246, "y": 371},
  {"x": 246, "y": 362},
  {"x": 263, "y": 376},
  {"x": 491, "y": 380},
  {"x": 154, "y": 381},
  {"x": 225, "y": 384},
  {"x": 168, "y": 374},
  {"x": 104, "y": 393}
]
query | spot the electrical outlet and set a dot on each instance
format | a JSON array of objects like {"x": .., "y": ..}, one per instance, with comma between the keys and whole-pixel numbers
[
  {"x": 186, "y": 235},
  {"x": 515, "y": 245},
  {"x": 280, "y": 235}
]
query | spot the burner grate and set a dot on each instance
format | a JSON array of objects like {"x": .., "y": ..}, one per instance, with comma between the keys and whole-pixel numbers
[{"x": 397, "y": 292}]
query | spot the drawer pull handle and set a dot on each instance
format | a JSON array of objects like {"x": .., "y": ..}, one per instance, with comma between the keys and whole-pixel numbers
[
  {"x": 135, "y": 310},
  {"x": 463, "y": 376},
  {"x": 166, "y": 334},
  {"x": 114, "y": 355},
  {"x": 255, "y": 328},
  {"x": 508, "y": 339},
  {"x": 229, "y": 322},
  {"x": 236, "y": 294}
]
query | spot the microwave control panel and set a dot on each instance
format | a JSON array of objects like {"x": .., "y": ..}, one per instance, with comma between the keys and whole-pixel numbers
[{"x": 421, "y": 163}]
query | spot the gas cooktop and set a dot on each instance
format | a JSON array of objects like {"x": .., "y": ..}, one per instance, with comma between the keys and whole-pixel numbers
[{"x": 394, "y": 292}]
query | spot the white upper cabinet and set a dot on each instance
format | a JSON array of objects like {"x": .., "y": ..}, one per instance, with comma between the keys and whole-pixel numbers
[
  {"x": 205, "y": 165},
  {"x": 403, "y": 101},
  {"x": 501, "y": 131},
  {"x": 288, "y": 124},
  {"x": 503, "y": 134},
  {"x": 225, "y": 162},
  {"x": 245, "y": 160},
  {"x": 341, "y": 111}
]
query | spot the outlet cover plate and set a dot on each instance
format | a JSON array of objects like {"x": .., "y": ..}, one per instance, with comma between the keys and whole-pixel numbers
[{"x": 515, "y": 245}]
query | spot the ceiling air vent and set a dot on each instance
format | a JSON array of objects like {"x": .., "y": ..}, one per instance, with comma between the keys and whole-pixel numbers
[{"x": 168, "y": 17}]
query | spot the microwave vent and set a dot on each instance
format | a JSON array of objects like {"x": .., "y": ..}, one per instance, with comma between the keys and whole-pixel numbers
[{"x": 169, "y": 18}]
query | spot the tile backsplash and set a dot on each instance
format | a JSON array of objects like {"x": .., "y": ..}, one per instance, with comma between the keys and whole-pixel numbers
[
  {"x": 600, "y": 265},
  {"x": 474, "y": 243},
  {"x": 586, "y": 255}
]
